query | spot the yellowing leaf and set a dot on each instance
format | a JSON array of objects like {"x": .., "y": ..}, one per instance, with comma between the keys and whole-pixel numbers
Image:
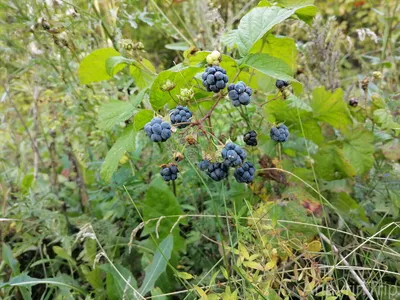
[
  {"x": 314, "y": 246},
  {"x": 243, "y": 251},
  {"x": 253, "y": 265},
  {"x": 185, "y": 275},
  {"x": 201, "y": 293}
]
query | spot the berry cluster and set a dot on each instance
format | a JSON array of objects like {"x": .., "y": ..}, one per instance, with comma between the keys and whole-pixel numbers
[
  {"x": 233, "y": 155},
  {"x": 157, "y": 130},
  {"x": 279, "y": 133},
  {"x": 181, "y": 114},
  {"x": 280, "y": 84},
  {"x": 245, "y": 173},
  {"x": 169, "y": 172},
  {"x": 250, "y": 138},
  {"x": 214, "y": 79},
  {"x": 239, "y": 93}
]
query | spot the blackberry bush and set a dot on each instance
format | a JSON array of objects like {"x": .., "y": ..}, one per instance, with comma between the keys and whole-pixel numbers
[
  {"x": 250, "y": 138},
  {"x": 279, "y": 133},
  {"x": 181, "y": 114},
  {"x": 245, "y": 173},
  {"x": 239, "y": 93},
  {"x": 233, "y": 154},
  {"x": 169, "y": 172},
  {"x": 214, "y": 79},
  {"x": 157, "y": 130}
]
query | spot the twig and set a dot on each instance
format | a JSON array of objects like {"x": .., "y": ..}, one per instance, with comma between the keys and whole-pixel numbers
[{"x": 356, "y": 277}]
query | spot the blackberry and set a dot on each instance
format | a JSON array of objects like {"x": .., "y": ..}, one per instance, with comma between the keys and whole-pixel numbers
[
  {"x": 280, "y": 84},
  {"x": 245, "y": 173},
  {"x": 217, "y": 171},
  {"x": 239, "y": 93},
  {"x": 233, "y": 154},
  {"x": 214, "y": 79},
  {"x": 157, "y": 130},
  {"x": 181, "y": 114},
  {"x": 250, "y": 138},
  {"x": 170, "y": 172},
  {"x": 279, "y": 133},
  {"x": 353, "y": 102},
  {"x": 204, "y": 164}
]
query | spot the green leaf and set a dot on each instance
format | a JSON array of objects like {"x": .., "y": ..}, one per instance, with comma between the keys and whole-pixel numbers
[
  {"x": 9, "y": 259},
  {"x": 179, "y": 76},
  {"x": 93, "y": 66},
  {"x": 141, "y": 118},
  {"x": 229, "y": 38},
  {"x": 158, "y": 265},
  {"x": 330, "y": 107},
  {"x": 385, "y": 119},
  {"x": 296, "y": 102},
  {"x": 115, "y": 64},
  {"x": 268, "y": 65},
  {"x": 126, "y": 142},
  {"x": 61, "y": 252},
  {"x": 143, "y": 73},
  {"x": 330, "y": 164},
  {"x": 283, "y": 48},
  {"x": 25, "y": 280},
  {"x": 27, "y": 182},
  {"x": 255, "y": 24},
  {"x": 359, "y": 149},
  {"x": 349, "y": 209},
  {"x": 116, "y": 287},
  {"x": 114, "y": 112}
]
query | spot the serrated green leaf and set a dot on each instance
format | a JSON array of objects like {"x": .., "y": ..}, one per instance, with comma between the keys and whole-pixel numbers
[
  {"x": 141, "y": 118},
  {"x": 330, "y": 108},
  {"x": 126, "y": 142},
  {"x": 268, "y": 65},
  {"x": 115, "y": 64},
  {"x": 385, "y": 119},
  {"x": 296, "y": 102},
  {"x": 116, "y": 287},
  {"x": 158, "y": 264},
  {"x": 143, "y": 73},
  {"x": 255, "y": 24},
  {"x": 359, "y": 148},
  {"x": 330, "y": 164},
  {"x": 229, "y": 38},
  {"x": 114, "y": 112},
  {"x": 93, "y": 66},
  {"x": 391, "y": 150}
]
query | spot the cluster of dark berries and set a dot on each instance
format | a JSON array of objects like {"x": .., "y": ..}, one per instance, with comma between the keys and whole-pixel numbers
[
  {"x": 216, "y": 171},
  {"x": 181, "y": 114},
  {"x": 245, "y": 173},
  {"x": 279, "y": 133},
  {"x": 353, "y": 102},
  {"x": 214, "y": 79},
  {"x": 157, "y": 130},
  {"x": 169, "y": 172},
  {"x": 250, "y": 138},
  {"x": 280, "y": 84},
  {"x": 239, "y": 93},
  {"x": 233, "y": 155}
]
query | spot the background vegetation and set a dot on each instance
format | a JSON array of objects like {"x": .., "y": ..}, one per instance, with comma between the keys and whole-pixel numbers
[{"x": 84, "y": 212}]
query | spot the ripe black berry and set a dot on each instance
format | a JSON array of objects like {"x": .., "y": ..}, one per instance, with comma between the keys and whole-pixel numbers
[
  {"x": 280, "y": 84},
  {"x": 250, "y": 138},
  {"x": 279, "y": 133},
  {"x": 170, "y": 172},
  {"x": 214, "y": 79},
  {"x": 233, "y": 154},
  {"x": 157, "y": 130},
  {"x": 181, "y": 114},
  {"x": 217, "y": 171},
  {"x": 245, "y": 173},
  {"x": 204, "y": 164},
  {"x": 239, "y": 93},
  {"x": 353, "y": 102}
]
